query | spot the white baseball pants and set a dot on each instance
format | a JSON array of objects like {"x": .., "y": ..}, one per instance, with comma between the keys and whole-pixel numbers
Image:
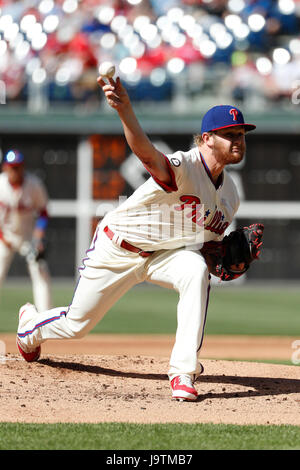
[
  {"x": 39, "y": 274},
  {"x": 107, "y": 274}
]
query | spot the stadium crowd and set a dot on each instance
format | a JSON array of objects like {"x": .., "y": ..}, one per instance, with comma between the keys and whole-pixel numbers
[{"x": 242, "y": 49}]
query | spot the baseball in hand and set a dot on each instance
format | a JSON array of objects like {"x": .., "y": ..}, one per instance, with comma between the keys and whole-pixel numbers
[{"x": 107, "y": 69}]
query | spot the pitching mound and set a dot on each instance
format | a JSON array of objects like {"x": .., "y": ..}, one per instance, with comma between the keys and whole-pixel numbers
[{"x": 122, "y": 388}]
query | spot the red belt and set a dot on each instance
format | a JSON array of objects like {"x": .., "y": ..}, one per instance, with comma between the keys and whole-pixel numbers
[{"x": 127, "y": 246}]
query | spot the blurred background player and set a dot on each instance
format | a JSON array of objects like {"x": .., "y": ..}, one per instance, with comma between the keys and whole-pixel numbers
[{"x": 23, "y": 221}]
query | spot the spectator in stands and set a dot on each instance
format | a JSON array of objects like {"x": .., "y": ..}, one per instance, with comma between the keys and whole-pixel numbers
[{"x": 44, "y": 41}]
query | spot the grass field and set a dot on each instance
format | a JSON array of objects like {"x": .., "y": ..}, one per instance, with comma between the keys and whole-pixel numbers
[
  {"x": 238, "y": 310},
  {"x": 122, "y": 436}
]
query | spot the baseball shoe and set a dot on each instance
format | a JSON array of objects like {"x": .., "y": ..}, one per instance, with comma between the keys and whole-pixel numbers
[
  {"x": 183, "y": 388},
  {"x": 26, "y": 313},
  {"x": 29, "y": 356}
]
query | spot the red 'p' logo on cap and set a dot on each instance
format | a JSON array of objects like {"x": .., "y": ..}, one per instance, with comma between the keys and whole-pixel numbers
[{"x": 234, "y": 112}]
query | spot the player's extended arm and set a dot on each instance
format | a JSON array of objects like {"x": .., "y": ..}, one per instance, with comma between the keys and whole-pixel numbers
[{"x": 117, "y": 97}]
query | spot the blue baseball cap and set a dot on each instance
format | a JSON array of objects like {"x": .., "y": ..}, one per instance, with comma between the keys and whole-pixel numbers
[
  {"x": 13, "y": 158},
  {"x": 220, "y": 117}
]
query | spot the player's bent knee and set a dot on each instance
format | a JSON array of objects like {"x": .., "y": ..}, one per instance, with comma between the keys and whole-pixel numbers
[
  {"x": 76, "y": 330},
  {"x": 195, "y": 275}
]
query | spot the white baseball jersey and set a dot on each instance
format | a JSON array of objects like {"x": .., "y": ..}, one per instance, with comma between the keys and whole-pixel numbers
[
  {"x": 190, "y": 211},
  {"x": 19, "y": 208}
]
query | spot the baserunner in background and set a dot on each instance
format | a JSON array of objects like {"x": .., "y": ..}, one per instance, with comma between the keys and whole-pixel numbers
[{"x": 23, "y": 224}]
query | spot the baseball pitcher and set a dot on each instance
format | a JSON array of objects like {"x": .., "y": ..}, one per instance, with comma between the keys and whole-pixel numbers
[
  {"x": 23, "y": 221},
  {"x": 169, "y": 232}
]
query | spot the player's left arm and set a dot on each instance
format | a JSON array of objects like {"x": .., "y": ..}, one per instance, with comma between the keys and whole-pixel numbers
[{"x": 232, "y": 257}]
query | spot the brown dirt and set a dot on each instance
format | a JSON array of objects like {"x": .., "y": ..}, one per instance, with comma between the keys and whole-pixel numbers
[{"x": 123, "y": 379}]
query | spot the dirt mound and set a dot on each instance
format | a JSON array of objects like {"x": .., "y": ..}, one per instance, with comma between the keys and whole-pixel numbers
[
  {"x": 133, "y": 388},
  {"x": 214, "y": 346}
]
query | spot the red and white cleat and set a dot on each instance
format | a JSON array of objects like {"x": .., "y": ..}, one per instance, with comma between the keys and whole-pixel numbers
[
  {"x": 29, "y": 356},
  {"x": 183, "y": 388},
  {"x": 26, "y": 313}
]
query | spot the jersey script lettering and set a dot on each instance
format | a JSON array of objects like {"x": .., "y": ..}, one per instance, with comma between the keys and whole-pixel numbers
[{"x": 217, "y": 224}]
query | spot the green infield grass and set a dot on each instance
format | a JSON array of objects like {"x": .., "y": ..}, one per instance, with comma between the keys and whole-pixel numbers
[
  {"x": 147, "y": 309},
  {"x": 125, "y": 436}
]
